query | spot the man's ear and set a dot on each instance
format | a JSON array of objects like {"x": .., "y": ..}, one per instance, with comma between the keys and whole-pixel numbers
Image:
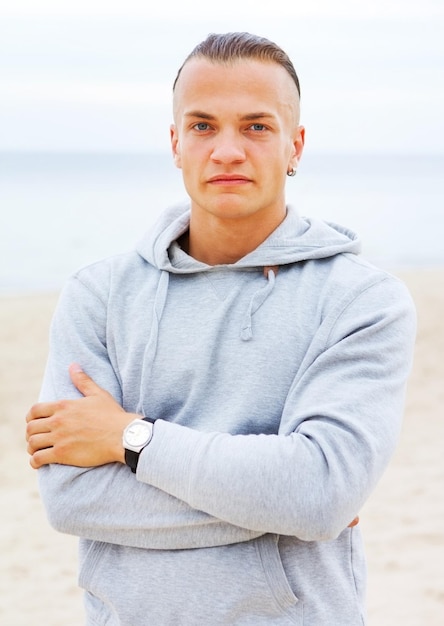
[
  {"x": 174, "y": 137},
  {"x": 298, "y": 140},
  {"x": 298, "y": 145}
]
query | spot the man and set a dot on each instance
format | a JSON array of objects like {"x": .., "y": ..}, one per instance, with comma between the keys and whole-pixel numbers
[{"x": 267, "y": 360}]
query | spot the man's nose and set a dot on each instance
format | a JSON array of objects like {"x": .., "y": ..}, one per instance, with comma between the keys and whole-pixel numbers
[{"x": 228, "y": 148}]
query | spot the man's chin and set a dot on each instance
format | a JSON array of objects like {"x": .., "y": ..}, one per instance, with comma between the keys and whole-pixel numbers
[{"x": 231, "y": 206}]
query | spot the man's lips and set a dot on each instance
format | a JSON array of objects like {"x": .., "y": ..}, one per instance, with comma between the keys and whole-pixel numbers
[{"x": 229, "y": 179}]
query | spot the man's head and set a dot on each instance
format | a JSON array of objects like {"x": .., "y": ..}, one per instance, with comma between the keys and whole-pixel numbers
[{"x": 236, "y": 126}]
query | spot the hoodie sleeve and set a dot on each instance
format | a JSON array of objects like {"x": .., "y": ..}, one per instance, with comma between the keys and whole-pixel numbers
[
  {"x": 339, "y": 429},
  {"x": 106, "y": 503}
]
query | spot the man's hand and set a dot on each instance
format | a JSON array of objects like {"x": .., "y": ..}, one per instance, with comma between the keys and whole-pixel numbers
[{"x": 86, "y": 432}]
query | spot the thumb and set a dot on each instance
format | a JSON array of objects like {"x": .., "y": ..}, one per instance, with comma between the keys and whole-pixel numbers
[{"x": 83, "y": 382}]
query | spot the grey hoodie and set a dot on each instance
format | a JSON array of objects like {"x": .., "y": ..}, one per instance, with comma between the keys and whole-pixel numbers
[{"x": 277, "y": 385}]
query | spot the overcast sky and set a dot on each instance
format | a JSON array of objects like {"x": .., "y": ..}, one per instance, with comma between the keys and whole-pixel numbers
[{"x": 96, "y": 75}]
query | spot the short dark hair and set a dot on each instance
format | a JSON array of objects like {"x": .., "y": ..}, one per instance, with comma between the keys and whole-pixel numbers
[{"x": 228, "y": 47}]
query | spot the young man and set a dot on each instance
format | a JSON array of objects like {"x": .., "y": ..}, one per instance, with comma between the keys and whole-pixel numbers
[{"x": 267, "y": 360}]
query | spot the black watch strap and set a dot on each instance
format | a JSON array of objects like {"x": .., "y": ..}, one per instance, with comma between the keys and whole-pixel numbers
[{"x": 131, "y": 457}]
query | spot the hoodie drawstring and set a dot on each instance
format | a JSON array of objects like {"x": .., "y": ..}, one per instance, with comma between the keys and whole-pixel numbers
[
  {"x": 257, "y": 301},
  {"x": 151, "y": 347}
]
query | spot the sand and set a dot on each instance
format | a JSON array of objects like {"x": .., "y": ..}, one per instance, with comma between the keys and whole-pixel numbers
[{"x": 402, "y": 522}]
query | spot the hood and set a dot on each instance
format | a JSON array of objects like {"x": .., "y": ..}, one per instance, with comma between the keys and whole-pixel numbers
[{"x": 295, "y": 239}]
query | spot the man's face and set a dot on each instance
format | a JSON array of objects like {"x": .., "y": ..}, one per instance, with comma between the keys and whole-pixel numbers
[{"x": 235, "y": 136}]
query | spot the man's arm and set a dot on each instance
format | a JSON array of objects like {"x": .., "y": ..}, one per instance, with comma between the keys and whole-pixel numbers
[
  {"x": 89, "y": 491},
  {"x": 105, "y": 503}
]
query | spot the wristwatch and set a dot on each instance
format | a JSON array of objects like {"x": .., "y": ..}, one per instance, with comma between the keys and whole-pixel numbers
[{"x": 136, "y": 437}]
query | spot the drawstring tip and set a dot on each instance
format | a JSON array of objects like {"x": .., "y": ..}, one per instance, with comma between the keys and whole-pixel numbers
[{"x": 246, "y": 334}]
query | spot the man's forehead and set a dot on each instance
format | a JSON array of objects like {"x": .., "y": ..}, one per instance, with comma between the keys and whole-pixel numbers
[{"x": 203, "y": 78}]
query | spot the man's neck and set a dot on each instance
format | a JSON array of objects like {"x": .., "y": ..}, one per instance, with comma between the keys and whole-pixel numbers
[{"x": 224, "y": 242}]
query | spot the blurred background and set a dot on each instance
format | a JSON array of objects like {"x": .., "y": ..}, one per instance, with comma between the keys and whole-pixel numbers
[{"x": 85, "y": 109}]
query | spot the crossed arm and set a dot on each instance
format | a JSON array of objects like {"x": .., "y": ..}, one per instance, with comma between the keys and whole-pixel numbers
[{"x": 86, "y": 432}]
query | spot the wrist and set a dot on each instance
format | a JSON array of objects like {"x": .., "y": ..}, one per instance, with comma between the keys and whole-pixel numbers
[
  {"x": 120, "y": 450},
  {"x": 136, "y": 436}
]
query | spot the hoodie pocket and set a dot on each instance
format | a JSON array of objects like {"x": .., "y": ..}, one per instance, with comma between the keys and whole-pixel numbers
[
  {"x": 240, "y": 584},
  {"x": 277, "y": 581},
  {"x": 98, "y": 613}
]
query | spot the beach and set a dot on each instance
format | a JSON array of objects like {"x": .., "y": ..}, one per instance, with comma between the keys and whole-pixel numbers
[{"x": 402, "y": 522}]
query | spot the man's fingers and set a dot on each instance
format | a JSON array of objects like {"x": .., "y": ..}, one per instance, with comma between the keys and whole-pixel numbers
[
  {"x": 41, "y": 458},
  {"x": 355, "y": 522},
  {"x": 83, "y": 382},
  {"x": 39, "y": 441},
  {"x": 36, "y": 427},
  {"x": 41, "y": 409}
]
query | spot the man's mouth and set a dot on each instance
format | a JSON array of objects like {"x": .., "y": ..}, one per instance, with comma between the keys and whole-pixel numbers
[{"x": 229, "y": 179}]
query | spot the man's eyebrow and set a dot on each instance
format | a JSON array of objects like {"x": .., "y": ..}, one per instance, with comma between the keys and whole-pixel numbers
[
  {"x": 255, "y": 116},
  {"x": 245, "y": 118},
  {"x": 200, "y": 114}
]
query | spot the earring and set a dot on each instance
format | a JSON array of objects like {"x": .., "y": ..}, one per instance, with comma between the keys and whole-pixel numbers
[{"x": 292, "y": 172}]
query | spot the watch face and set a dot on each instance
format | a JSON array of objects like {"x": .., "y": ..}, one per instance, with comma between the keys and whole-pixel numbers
[{"x": 138, "y": 434}]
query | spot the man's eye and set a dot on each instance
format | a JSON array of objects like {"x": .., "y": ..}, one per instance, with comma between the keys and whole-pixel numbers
[
  {"x": 257, "y": 127},
  {"x": 201, "y": 126}
]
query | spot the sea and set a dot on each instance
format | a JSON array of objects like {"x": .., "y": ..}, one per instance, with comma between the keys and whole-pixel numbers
[{"x": 61, "y": 211}]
